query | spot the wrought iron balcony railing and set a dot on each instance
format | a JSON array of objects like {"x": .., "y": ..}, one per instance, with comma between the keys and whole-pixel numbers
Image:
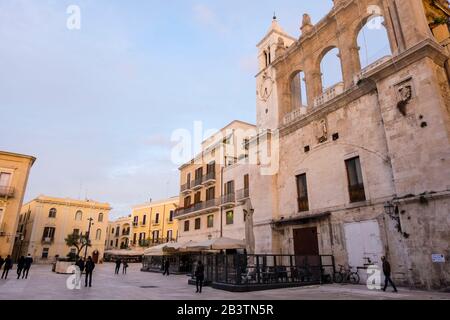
[
  {"x": 242, "y": 194},
  {"x": 6, "y": 191},
  {"x": 228, "y": 200},
  {"x": 206, "y": 206}
]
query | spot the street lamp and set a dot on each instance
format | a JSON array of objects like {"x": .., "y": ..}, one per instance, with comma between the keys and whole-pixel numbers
[{"x": 86, "y": 241}]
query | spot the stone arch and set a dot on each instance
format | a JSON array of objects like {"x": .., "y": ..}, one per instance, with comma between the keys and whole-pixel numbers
[
  {"x": 298, "y": 89},
  {"x": 371, "y": 37},
  {"x": 334, "y": 73}
]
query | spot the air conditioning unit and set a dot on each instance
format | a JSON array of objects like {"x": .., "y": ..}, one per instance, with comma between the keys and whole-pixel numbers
[{"x": 47, "y": 240}]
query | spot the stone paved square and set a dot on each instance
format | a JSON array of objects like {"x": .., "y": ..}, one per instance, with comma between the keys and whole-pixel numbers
[{"x": 136, "y": 285}]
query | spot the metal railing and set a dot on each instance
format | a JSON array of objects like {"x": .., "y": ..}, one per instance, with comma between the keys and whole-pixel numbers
[
  {"x": 6, "y": 191},
  {"x": 47, "y": 240},
  {"x": 197, "y": 182},
  {"x": 267, "y": 270},
  {"x": 211, "y": 176},
  {"x": 185, "y": 187},
  {"x": 228, "y": 199},
  {"x": 154, "y": 242},
  {"x": 242, "y": 194},
  {"x": 209, "y": 204}
]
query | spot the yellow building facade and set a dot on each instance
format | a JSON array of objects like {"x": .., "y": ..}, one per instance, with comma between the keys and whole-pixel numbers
[
  {"x": 14, "y": 172},
  {"x": 119, "y": 233},
  {"x": 45, "y": 223},
  {"x": 154, "y": 223}
]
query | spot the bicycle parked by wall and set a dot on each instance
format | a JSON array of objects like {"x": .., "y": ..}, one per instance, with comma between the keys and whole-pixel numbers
[{"x": 346, "y": 275}]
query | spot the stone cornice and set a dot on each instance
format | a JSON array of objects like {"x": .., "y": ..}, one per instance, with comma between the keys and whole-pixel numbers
[{"x": 73, "y": 203}]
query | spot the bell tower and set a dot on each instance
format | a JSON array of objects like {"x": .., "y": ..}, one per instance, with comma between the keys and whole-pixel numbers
[{"x": 269, "y": 48}]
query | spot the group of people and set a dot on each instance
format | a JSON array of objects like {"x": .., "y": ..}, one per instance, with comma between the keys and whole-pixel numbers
[
  {"x": 23, "y": 266},
  {"x": 88, "y": 268},
  {"x": 119, "y": 262}
]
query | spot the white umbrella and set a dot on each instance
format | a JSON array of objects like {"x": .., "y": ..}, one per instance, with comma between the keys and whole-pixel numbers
[
  {"x": 124, "y": 253},
  {"x": 216, "y": 244}
]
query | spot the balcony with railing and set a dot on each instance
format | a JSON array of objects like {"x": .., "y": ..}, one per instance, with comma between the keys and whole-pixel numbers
[
  {"x": 155, "y": 242},
  {"x": 369, "y": 68},
  {"x": 242, "y": 194},
  {"x": 7, "y": 192},
  {"x": 186, "y": 188},
  {"x": 135, "y": 224},
  {"x": 228, "y": 200},
  {"x": 47, "y": 240},
  {"x": 209, "y": 178},
  {"x": 197, "y": 183},
  {"x": 329, "y": 94},
  {"x": 198, "y": 208}
]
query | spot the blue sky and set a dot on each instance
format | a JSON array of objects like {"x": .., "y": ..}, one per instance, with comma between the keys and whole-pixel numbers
[{"x": 97, "y": 106}]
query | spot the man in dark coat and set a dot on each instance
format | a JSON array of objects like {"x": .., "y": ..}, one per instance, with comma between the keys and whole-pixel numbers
[
  {"x": 89, "y": 267},
  {"x": 7, "y": 267},
  {"x": 20, "y": 266},
  {"x": 387, "y": 274},
  {"x": 199, "y": 276},
  {"x": 80, "y": 264},
  {"x": 26, "y": 269},
  {"x": 118, "y": 263},
  {"x": 166, "y": 267}
]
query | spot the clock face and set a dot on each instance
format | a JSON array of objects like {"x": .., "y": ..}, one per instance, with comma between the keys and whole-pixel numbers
[{"x": 265, "y": 89}]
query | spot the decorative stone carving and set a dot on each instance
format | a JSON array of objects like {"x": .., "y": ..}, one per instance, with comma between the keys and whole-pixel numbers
[
  {"x": 405, "y": 95},
  {"x": 281, "y": 47},
  {"x": 322, "y": 130},
  {"x": 306, "y": 24}
]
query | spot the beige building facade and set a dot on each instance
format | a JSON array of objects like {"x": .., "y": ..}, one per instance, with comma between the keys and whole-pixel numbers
[
  {"x": 119, "y": 233},
  {"x": 14, "y": 172},
  {"x": 364, "y": 165},
  {"x": 45, "y": 223},
  {"x": 214, "y": 184},
  {"x": 154, "y": 223}
]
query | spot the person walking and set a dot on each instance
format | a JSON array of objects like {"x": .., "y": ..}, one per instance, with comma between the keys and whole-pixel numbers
[
  {"x": 199, "y": 276},
  {"x": 125, "y": 267},
  {"x": 8, "y": 266},
  {"x": 89, "y": 267},
  {"x": 387, "y": 274},
  {"x": 20, "y": 266},
  {"x": 28, "y": 263},
  {"x": 166, "y": 267},
  {"x": 80, "y": 264},
  {"x": 118, "y": 263},
  {"x": 2, "y": 261}
]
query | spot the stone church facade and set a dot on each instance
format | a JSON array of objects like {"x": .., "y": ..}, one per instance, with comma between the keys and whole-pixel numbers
[{"x": 364, "y": 165}]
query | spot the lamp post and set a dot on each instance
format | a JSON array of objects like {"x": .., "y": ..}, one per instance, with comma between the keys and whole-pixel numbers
[{"x": 87, "y": 238}]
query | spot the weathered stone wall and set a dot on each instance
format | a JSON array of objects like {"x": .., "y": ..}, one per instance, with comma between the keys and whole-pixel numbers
[{"x": 395, "y": 117}]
